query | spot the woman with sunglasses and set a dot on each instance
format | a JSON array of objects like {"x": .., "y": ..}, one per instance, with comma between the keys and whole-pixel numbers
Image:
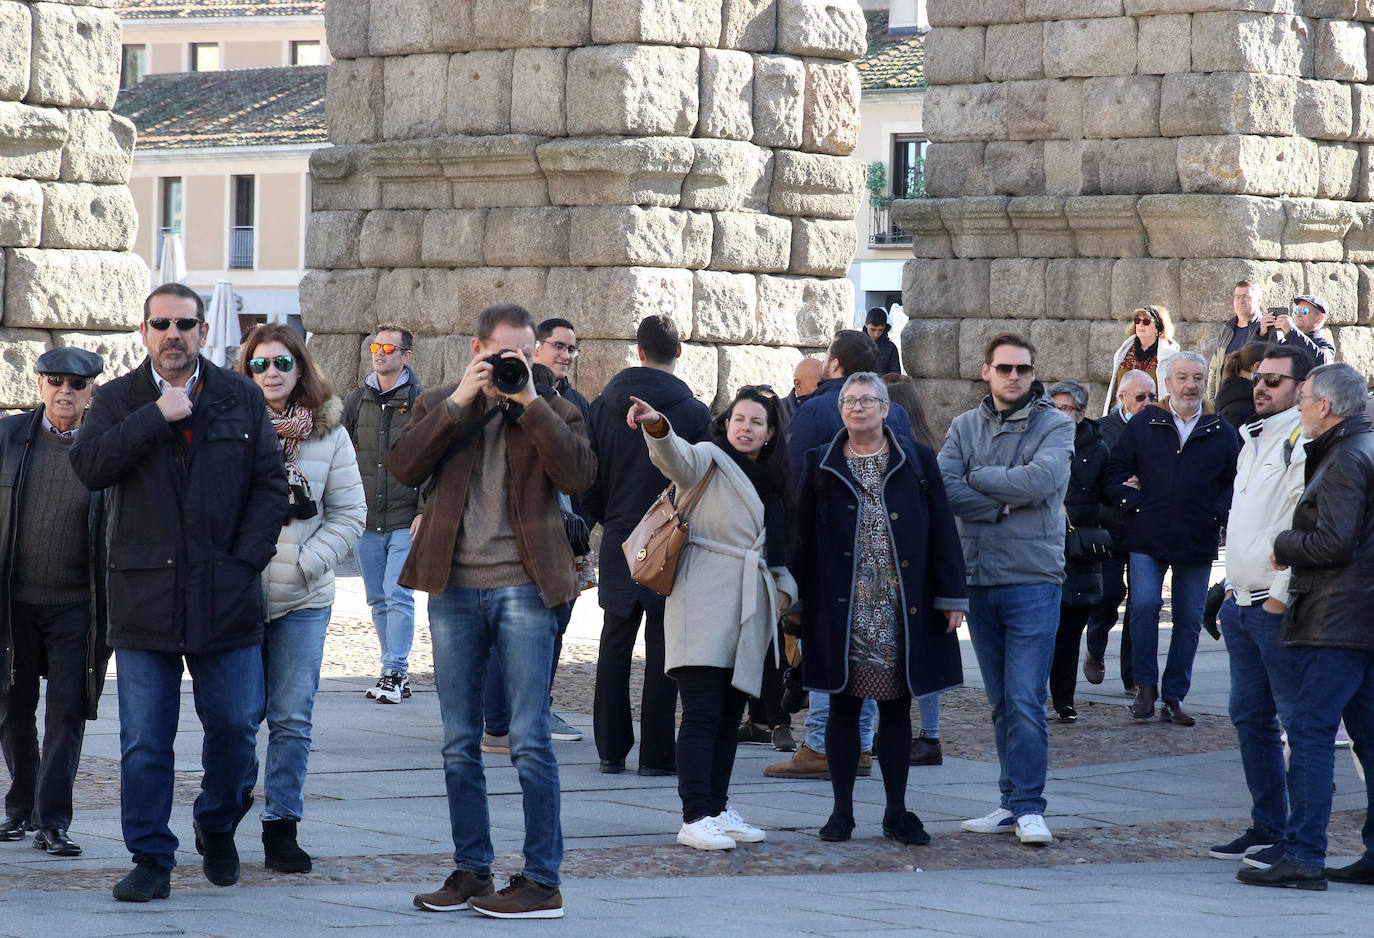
[
  {"x": 327, "y": 513},
  {"x": 1148, "y": 343},
  {"x": 732, "y": 581},
  {"x": 882, "y": 577}
]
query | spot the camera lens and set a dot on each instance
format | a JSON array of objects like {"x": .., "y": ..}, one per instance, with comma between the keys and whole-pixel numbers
[{"x": 508, "y": 375}]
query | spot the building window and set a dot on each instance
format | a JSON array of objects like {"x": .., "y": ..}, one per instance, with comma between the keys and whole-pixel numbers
[
  {"x": 307, "y": 52},
  {"x": 243, "y": 233},
  {"x": 133, "y": 65},
  {"x": 204, "y": 56},
  {"x": 169, "y": 214},
  {"x": 908, "y": 166}
]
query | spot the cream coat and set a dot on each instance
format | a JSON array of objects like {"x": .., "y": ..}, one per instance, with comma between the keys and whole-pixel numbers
[
  {"x": 301, "y": 573},
  {"x": 1168, "y": 348},
  {"x": 723, "y": 610}
]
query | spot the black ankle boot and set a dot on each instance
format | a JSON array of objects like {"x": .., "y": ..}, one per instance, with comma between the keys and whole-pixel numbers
[
  {"x": 281, "y": 853},
  {"x": 220, "y": 857}
]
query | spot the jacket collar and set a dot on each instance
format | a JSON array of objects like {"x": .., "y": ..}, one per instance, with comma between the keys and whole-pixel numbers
[
  {"x": 1034, "y": 400},
  {"x": 834, "y": 458},
  {"x": 1323, "y": 444},
  {"x": 1160, "y": 415}
]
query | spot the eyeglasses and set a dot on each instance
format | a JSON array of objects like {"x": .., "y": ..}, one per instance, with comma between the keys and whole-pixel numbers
[
  {"x": 259, "y": 366},
  {"x": 1143, "y": 321},
  {"x": 1144, "y": 396},
  {"x": 183, "y": 325},
  {"x": 386, "y": 348},
  {"x": 562, "y": 348},
  {"x": 867, "y": 402},
  {"x": 1271, "y": 379},
  {"x": 73, "y": 382},
  {"x": 1066, "y": 408},
  {"x": 1021, "y": 370}
]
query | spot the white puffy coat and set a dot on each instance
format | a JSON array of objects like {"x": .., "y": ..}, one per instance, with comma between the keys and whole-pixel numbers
[{"x": 301, "y": 573}]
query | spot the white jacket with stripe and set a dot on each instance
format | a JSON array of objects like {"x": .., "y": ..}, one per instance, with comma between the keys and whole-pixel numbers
[{"x": 1269, "y": 481}]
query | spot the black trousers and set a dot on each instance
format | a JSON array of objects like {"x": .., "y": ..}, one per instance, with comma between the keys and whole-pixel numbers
[
  {"x": 711, "y": 708},
  {"x": 611, "y": 723},
  {"x": 766, "y": 708},
  {"x": 51, "y": 640},
  {"x": 1102, "y": 618},
  {"x": 1064, "y": 664}
]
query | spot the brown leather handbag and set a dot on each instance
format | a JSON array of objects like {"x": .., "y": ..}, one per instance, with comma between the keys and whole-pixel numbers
[{"x": 653, "y": 548}]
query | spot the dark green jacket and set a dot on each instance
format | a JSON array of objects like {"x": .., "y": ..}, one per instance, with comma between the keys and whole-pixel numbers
[{"x": 374, "y": 421}]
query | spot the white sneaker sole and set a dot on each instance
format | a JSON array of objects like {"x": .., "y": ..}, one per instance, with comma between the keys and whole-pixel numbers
[
  {"x": 728, "y": 844},
  {"x": 539, "y": 913},
  {"x": 750, "y": 837},
  {"x": 974, "y": 827},
  {"x": 441, "y": 908},
  {"x": 372, "y": 693},
  {"x": 566, "y": 737},
  {"x": 1036, "y": 840},
  {"x": 384, "y": 698}
]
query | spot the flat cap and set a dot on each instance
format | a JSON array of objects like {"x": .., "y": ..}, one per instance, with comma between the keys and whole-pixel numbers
[
  {"x": 68, "y": 360},
  {"x": 1315, "y": 301}
]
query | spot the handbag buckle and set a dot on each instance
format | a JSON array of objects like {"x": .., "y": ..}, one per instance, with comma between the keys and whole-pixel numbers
[{"x": 642, "y": 554}]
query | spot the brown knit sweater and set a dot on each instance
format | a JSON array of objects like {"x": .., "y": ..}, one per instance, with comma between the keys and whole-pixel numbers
[
  {"x": 51, "y": 564},
  {"x": 487, "y": 555}
]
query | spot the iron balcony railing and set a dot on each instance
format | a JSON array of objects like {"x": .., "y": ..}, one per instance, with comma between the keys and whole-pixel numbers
[
  {"x": 881, "y": 228},
  {"x": 242, "y": 242}
]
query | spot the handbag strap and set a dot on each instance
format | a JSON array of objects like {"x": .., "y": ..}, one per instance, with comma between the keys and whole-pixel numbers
[{"x": 695, "y": 495}]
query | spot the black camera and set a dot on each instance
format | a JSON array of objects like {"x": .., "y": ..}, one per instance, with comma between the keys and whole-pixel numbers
[
  {"x": 508, "y": 375},
  {"x": 302, "y": 505},
  {"x": 794, "y": 695}
]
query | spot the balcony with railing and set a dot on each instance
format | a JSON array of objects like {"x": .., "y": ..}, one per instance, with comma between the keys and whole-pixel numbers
[
  {"x": 882, "y": 230},
  {"x": 242, "y": 247}
]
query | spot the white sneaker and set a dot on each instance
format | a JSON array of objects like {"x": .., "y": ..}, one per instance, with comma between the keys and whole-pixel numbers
[
  {"x": 998, "y": 822},
  {"x": 389, "y": 688},
  {"x": 1031, "y": 829},
  {"x": 705, "y": 834},
  {"x": 737, "y": 828},
  {"x": 375, "y": 688}
]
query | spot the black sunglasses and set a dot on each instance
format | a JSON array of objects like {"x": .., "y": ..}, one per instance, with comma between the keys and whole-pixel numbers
[
  {"x": 1271, "y": 379},
  {"x": 765, "y": 390},
  {"x": 184, "y": 325},
  {"x": 1144, "y": 396},
  {"x": 76, "y": 384},
  {"x": 259, "y": 366},
  {"x": 1021, "y": 370}
]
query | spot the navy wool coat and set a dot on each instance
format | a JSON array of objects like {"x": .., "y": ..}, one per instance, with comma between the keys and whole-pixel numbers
[{"x": 930, "y": 564}]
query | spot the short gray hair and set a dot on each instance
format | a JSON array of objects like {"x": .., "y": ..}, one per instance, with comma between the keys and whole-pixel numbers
[
  {"x": 1166, "y": 367},
  {"x": 1136, "y": 376},
  {"x": 1339, "y": 385},
  {"x": 1074, "y": 390},
  {"x": 864, "y": 377}
]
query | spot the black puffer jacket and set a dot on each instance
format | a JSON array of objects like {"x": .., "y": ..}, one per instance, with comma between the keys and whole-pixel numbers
[
  {"x": 1083, "y": 504},
  {"x": 16, "y": 434},
  {"x": 1331, "y": 545},
  {"x": 194, "y": 510}
]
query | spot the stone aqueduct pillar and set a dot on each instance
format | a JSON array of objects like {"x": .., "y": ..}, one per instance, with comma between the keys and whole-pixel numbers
[
  {"x": 1091, "y": 156},
  {"x": 67, "y": 222},
  {"x": 600, "y": 160}
]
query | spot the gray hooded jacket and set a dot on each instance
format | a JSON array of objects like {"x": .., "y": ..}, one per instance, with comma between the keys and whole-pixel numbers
[{"x": 1006, "y": 476}]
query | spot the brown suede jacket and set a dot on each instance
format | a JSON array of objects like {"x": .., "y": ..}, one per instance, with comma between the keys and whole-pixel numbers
[{"x": 547, "y": 449}]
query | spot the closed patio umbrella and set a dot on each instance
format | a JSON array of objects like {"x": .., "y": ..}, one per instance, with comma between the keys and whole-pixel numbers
[
  {"x": 223, "y": 341},
  {"x": 172, "y": 263}
]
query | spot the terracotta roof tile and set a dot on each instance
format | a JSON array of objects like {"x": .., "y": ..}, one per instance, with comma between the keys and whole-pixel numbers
[
  {"x": 206, "y": 9},
  {"x": 893, "y": 60},
  {"x": 240, "y": 108}
]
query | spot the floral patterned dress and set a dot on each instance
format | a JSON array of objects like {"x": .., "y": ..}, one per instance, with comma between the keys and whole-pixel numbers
[{"x": 877, "y": 669}]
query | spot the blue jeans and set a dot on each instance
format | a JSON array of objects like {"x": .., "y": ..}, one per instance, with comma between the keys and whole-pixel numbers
[
  {"x": 1013, "y": 630},
  {"x": 496, "y": 707},
  {"x": 1263, "y": 676},
  {"x": 818, "y": 715},
  {"x": 382, "y": 555},
  {"x": 291, "y": 656},
  {"x": 1147, "y": 598},
  {"x": 930, "y": 715},
  {"x": 1330, "y": 681},
  {"x": 466, "y": 626},
  {"x": 228, "y": 691}
]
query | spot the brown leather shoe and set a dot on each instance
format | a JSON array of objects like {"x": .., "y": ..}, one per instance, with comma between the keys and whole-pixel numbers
[
  {"x": 1144, "y": 706},
  {"x": 926, "y": 751},
  {"x": 805, "y": 763},
  {"x": 1094, "y": 669},
  {"x": 1173, "y": 712},
  {"x": 865, "y": 764}
]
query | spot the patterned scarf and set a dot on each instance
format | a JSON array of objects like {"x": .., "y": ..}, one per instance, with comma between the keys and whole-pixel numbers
[{"x": 292, "y": 425}]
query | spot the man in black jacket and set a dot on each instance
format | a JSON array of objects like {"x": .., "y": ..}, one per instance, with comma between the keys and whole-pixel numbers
[
  {"x": 876, "y": 324},
  {"x": 1306, "y": 329},
  {"x": 626, "y": 485},
  {"x": 197, "y": 497},
  {"x": 1326, "y": 624},
  {"x": 51, "y": 567}
]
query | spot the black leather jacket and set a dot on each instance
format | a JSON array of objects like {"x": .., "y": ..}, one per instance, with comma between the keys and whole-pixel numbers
[
  {"x": 1331, "y": 545},
  {"x": 16, "y": 434}
]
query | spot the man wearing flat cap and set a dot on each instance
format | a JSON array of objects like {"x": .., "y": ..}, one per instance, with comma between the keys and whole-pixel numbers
[
  {"x": 51, "y": 561},
  {"x": 1306, "y": 329}
]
